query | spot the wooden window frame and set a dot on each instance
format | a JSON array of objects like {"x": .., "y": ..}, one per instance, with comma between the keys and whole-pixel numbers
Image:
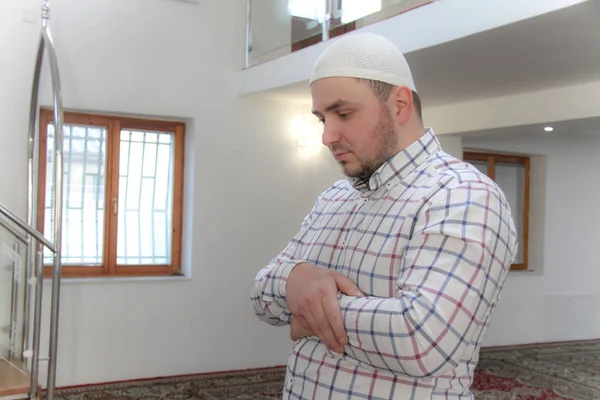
[
  {"x": 114, "y": 125},
  {"x": 492, "y": 159}
]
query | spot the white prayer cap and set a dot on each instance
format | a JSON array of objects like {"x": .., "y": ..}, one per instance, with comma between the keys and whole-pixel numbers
[{"x": 364, "y": 55}]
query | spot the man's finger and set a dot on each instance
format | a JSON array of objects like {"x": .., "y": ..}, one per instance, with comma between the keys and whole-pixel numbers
[
  {"x": 334, "y": 316},
  {"x": 316, "y": 327},
  {"x": 326, "y": 332},
  {"x": 346, "y": 286}
]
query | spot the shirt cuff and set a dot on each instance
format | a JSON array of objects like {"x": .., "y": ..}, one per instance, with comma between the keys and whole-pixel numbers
[{"x": 282, "y": 272}]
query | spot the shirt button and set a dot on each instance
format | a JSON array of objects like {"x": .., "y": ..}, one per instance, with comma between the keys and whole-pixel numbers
[{"x": 290, "y": 383}]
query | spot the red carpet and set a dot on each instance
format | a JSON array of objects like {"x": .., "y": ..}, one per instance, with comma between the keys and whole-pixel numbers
[{"x": 490, "y": 386}]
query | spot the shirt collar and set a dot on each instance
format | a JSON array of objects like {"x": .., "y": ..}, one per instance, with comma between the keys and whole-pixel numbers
[{"x": 402, "y": 164}]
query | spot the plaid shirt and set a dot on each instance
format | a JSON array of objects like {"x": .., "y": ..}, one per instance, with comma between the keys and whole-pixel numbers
[{"x": 429, "y": 240}]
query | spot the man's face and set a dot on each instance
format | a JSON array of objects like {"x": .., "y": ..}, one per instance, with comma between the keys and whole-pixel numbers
[{"x": 358, "y": 129}]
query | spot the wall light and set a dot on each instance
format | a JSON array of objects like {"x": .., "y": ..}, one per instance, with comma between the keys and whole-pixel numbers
[
  {"x": 307, "y": 132},
  {"x": 548, "y": 129},
  {"x": 310, "y": 142}
]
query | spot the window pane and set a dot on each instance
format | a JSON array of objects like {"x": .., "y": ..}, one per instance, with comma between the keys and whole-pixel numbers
[
  {"x": 84, "y": 156},
  {"x": 480, "y": 165},
  {"x": 511, "y": 179},
  {"x": 145, "y": 198}
]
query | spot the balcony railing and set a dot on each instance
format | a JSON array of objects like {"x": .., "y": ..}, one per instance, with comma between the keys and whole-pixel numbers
[{"x": 275, "y": 28}]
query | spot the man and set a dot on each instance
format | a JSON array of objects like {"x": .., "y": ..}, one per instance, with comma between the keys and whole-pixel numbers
[{"x": 391, "y": 281}]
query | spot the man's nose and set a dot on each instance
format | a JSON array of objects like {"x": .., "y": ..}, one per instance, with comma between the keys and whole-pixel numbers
[{"x": 331, "y": 134}]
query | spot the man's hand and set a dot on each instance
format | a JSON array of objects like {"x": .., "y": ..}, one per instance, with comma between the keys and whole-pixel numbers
[
  {"x": 312, "y": 297},
  {"x": 297, "y": 331}
]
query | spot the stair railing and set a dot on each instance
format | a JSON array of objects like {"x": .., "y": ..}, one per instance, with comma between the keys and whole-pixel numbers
[{"x": 29, "y": 236}]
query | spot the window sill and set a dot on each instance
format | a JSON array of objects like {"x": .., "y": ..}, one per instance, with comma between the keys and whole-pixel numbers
[
  {"x": 526, "y": 272},
  {"x": 121, "y": 279}
]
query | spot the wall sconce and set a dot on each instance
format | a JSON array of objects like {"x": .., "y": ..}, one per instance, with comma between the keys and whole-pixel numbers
[
  {"x": 308, "y": 134},
  {"x": 309, "y": 141}
]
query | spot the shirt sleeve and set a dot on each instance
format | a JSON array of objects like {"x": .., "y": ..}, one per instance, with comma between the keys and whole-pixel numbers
[
  {"x": 269, "y": 289},
  {"x": 452, "y": 270}
]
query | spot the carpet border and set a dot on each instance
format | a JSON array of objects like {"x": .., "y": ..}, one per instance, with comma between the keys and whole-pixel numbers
[
  {"x": 539, "y": 344},
  {"x": 179, "y": 376},
  {"x": 277, "y": 367}
]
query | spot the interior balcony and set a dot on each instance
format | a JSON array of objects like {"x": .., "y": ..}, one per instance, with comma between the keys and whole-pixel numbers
[{"x": 447, "y": 42}]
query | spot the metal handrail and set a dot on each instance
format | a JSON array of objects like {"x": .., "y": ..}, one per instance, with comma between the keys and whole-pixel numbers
[
  {"x": 15, "y": 299},
  {"x": 32, "y": 180},
  {"x": 58, "y": 202},
  {"x": 33, "y": 239},
  {"x": 28, "y": 229},
  {"x": 13, "y": 231}
]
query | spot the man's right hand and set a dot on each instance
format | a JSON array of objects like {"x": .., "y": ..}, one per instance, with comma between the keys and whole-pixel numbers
[{"x": 312, "y": 297}]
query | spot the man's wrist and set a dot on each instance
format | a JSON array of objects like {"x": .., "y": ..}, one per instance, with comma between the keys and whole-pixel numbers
[
  {"x": 295, "y": 269},
  {"x": 286, "y": 273},
  {"x": 283, "y": 273}
]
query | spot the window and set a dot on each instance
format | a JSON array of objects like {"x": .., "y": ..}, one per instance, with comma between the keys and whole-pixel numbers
[
  {"x": 511, "y": 173},
  {"x": 123, "y": 193}
]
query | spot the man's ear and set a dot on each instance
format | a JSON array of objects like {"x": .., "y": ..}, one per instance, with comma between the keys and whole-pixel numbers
[{"x": 403, "y": 104}]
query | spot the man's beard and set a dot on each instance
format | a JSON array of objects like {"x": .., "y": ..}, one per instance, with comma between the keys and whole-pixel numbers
[{"x": 387, "y": 142}]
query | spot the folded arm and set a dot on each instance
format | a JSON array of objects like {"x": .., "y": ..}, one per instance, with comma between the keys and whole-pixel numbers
[
  {"x": 269, "y": 289},
  {"x": 452, "y": 270}
]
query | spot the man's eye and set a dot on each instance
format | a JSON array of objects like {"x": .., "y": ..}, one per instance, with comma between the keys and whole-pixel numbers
[{"x": 344, "y": 115}]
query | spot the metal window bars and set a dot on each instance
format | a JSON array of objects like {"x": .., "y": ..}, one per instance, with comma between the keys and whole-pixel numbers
[{"x": 26, "y": 232}]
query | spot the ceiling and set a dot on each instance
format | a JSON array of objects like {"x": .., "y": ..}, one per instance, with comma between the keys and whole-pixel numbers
[{"x": 556, "y": 49}]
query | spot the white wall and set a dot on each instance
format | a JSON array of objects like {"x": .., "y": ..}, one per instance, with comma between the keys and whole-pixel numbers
[
  {"x": 559, "y": 300},
  {"x": 248, "y": 185},
  {"x": 451, "y": 145}
]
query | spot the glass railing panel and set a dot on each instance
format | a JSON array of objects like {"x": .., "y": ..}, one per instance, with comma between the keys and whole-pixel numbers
[
  {"x": 348, "y": 11},
  {"x": 278, "y": 27},
  {"x": 13, "y": 255},
  {"x": 348, "y": 15}
]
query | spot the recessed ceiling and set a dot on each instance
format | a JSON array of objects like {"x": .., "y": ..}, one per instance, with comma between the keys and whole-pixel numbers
[
  {"x": 576, "y": 127},
  {"x": 556, "y": 49}
]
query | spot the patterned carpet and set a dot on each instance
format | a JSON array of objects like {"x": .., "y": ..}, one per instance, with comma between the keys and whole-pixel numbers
[
  {"x": 547, "y": 372},
  {"x": 551, "y": 371}
]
